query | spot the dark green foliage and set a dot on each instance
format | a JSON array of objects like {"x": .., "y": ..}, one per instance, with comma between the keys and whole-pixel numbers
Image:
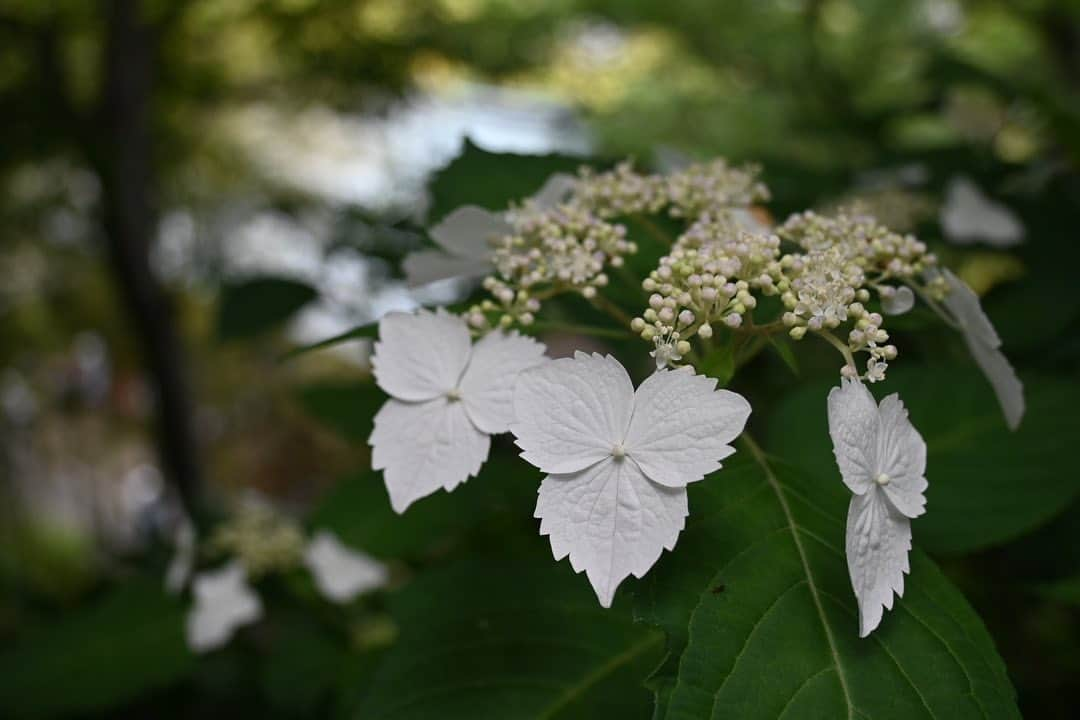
[
  {"x": 762, "y": 622},
  {"x": 251, "y": 307}
]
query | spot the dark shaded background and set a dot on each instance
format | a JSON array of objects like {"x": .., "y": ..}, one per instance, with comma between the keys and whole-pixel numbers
[{"x": 190, "y": 189}]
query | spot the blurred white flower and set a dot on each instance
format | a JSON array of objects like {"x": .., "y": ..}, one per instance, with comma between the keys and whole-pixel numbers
[
  {"x": 984, "y": 343},
  {"x": 968, "y": 216},
  {"x": 341, "y": 573},
  {"x": 882, "y": 460},
  {"x": 447, "y": 396},
  {"x": 465, "y": 238},
  {"x": 619, "y": 461},
  {"x": 223, "y": 602}
]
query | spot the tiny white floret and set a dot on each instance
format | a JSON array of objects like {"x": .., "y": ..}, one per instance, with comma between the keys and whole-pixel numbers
[{"x": 619, "y": 461}]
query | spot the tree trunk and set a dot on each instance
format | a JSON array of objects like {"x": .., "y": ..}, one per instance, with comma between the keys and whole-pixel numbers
[{"x": 124, "y": 161}]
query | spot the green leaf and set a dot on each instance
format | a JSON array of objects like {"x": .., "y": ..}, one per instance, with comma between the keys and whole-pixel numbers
[
  {"x": 782, "y": 346},
  {"x": 492, "y": 180},
  {"x": 364, "y": 331},
  {"x": 346, "y": 407},
  {"x": 358, "y": 511},
  {"x": 511, "y": 639},
  {"x": 254, "y": 306},
  {"x": 987, "y": 485},
  {"x": 128, "y": 643},
  {"x": 762, "y": 621},
  {"x": 719, "y": 363},
  {"x": 299, "y": 674}
]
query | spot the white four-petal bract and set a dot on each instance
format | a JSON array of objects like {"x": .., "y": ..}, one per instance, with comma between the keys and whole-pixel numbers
[
  {"x": 619, "y": 461},
  {"x": 882, "y": 460},
  {"x": 968, "y": 216},
  {"x": 340, "y": 572},
  {"x": 985, "y": 346},
  {"x": 464, "y": 237},
  {"x": 447, "y": 396},
  {"x": 223, "y": 602}
]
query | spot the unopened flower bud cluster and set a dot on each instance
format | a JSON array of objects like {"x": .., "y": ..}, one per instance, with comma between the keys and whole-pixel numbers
[
  {"x": 565, "y": 248},
  {"x": 685, "y": 193},
  {"x": 709, "y": 277},
  {"x": 261, "y": 539}
]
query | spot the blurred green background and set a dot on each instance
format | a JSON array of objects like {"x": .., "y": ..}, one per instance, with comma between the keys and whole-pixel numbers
[{"x": 192, "y": 188}]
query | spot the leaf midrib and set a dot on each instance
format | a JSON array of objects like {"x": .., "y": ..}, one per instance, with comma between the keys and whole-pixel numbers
[{"x": 774, "y": 483}]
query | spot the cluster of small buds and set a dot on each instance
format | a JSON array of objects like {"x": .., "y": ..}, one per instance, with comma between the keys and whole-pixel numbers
[
  {"x": 861, "y": 239},
  {"x": 709, "y": 276},
  {"x": 565, "y": 248},
  {"x": 261, "y": 539},
  {"x": 686, "y": 193},
  {"x": 897, "y": 208},
  {"x": 621, "y": 191},
  {"x": 706, "y": 187}
]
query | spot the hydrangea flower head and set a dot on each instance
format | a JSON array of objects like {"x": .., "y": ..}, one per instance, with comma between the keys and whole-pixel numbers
[
  {"x": 968, "y": 216},
  {"x": 340, "y": 572},
  {"x": 618, "y": 460},
  {"x": 882, "y": 460},
  {"x": 447, "y": 396},
  {"x": 223, "y": 602}
]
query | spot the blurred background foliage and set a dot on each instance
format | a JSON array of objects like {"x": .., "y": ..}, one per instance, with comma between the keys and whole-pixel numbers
[{"x": 191, "y": 188}]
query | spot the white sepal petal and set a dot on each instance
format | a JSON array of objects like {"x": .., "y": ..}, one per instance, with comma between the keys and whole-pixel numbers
[
  {"x": 422, "y": 447},
  {"x": 341, "y": 573},
  {"x": 422, "y": 356},
  {"x": 1007, "y": 385},
  {"x": 487, "y": 388},
  {"x": 901, "y": 458},
  {"x": 571, "y": 412},
  {"x": 223, "y": 602},
  {"x": 428, "y": 266},
  {"x": 899, "y": 302},
  {"x": 964, "y": 304},
  {"x": 968, "y": 216},
  {"x": 554, "y": 190},
  {"x": 984, "y": 344},
  {"x": 611, "y": 520},
  {"x": 853, "y": 425},
  {"x": 468, "y": 230},
  {"x": 682, "y": 425},
  {"x": 877, "y": 546}
]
